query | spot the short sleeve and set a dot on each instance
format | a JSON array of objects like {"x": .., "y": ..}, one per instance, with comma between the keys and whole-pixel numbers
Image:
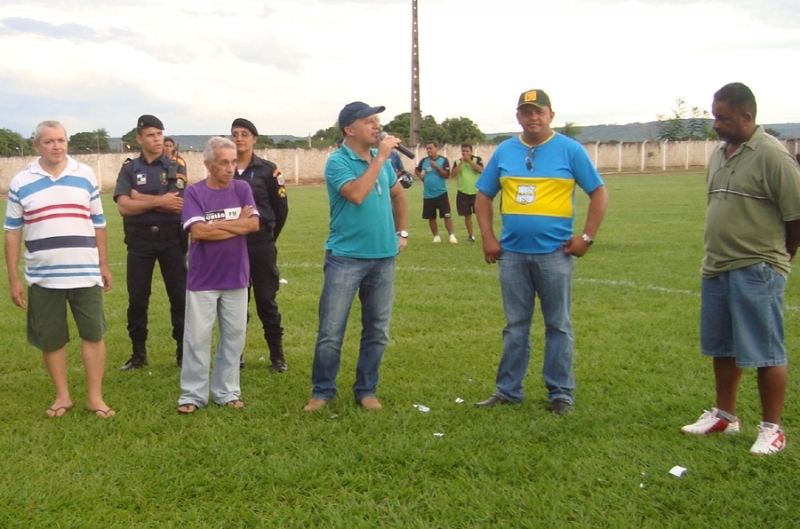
[
  {"x": 489, "y": 181},
  {"x": 338, "y": 172},
  {"x": 124, "y": 184}
]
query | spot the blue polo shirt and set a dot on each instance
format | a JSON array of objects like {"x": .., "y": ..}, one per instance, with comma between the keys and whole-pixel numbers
[
  {"x": 433, "y": 185},
  {"x": 364, "y": 231}
]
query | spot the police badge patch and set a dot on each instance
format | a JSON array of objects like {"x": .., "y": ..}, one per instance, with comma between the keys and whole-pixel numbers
[
  {"x": 180, "y": 183},
  {"x": 278, "y": 176},
  {"x": 163, "y": 179},
  {"x": 141, "y": 179}
]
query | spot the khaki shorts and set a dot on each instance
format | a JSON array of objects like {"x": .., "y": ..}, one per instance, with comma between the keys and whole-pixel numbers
[{"x": 47, "y": 315}]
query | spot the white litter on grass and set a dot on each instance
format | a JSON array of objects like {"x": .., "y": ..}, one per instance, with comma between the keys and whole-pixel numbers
[
  {"x": 283, "y": 281},
  {"x": 459, "y": 400},
  {"x": 262, "y": 359},
  {"x": 334, "y": 416},
  {"x": 438, "y": 435},
  {"x": 151, "y": 373},
  {"x": 677, "y": 471},
  {"x": 423, "y": 409}
]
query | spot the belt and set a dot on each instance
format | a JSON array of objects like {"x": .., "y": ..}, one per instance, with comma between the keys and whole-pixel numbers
[{"x": 154, "y": 232}]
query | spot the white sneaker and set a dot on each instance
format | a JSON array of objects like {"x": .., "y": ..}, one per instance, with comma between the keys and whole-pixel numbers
[
  {"x": 770, "y": 441},
  {"x": 436, "y": 238},
  {"x": 453, "y": 239},
  {"x": 709, "y": 422}
]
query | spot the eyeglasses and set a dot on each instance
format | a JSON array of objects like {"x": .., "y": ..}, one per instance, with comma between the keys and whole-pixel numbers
[
  {"x": 529, "y": 159},
  {"x": 243, "y": 135}
]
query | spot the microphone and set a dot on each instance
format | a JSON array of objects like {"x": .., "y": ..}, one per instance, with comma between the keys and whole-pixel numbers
[{"x": 400, "y": 147}]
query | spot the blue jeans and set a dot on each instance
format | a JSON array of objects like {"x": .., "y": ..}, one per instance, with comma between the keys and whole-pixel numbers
[
  {"x": 373, "y": 279},
  {"x": 741, "y": 315},
  {"x": 523, "y": 277}
]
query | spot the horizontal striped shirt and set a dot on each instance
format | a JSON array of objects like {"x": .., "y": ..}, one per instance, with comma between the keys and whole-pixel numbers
[
  {"x": 537, "y": 189},
  {"x": 59, "y": 216}
]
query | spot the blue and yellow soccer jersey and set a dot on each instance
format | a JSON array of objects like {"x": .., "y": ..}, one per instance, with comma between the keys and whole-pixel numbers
[{"x": 538, "y": 205}]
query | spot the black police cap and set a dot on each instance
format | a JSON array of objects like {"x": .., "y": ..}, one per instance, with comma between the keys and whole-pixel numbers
[
  {"x": 147, "y": 121},
  {"x": 245, "y": 124}
]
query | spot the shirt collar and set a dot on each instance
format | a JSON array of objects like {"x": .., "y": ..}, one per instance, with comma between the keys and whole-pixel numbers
[
  {"x": 353, "y": 156},
  {"x": 36, "y": 167}
]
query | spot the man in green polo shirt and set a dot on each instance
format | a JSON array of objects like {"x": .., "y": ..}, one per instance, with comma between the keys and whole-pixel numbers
[
  {"x": 752, "y": 232},
  {"x": 467, "y": 170}
]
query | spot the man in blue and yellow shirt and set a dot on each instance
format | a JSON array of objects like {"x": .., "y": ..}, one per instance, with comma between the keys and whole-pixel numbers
[{"x": 537, "y": 173}]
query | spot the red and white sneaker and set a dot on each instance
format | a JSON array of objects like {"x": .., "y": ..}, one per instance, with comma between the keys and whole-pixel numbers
[
  {"x": 770, "y": 441},
  {"x": 710, "y": 422}
]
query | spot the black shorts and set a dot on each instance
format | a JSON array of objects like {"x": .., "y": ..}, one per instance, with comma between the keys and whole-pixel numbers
[
  {"x": 430, "y": 205},
  {"x": 465, "y": 204}
]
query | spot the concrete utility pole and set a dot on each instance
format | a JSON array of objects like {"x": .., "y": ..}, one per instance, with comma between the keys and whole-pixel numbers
[{"x": 416, "y": 115}]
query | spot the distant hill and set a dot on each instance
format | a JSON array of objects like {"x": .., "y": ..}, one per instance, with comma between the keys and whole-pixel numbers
[
  {"x": 633, "y": 132},
  {"x": 636, "y": 132},
  {"x": 197, "y": 142}
]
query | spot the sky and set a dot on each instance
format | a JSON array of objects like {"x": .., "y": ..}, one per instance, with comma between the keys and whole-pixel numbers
[{"x": 291, "y": 65}]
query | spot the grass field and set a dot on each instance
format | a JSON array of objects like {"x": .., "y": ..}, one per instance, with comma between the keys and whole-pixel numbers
[{"x": 640, "y": 378}]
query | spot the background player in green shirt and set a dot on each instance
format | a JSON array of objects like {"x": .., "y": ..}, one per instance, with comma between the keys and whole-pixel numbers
[{"x": 467, "y": 170}]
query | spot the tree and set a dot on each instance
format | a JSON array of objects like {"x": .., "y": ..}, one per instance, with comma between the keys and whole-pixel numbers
[
  {"x": 13, "y": 144},
  {"x": 685, "y": 125},
  {"x": 102, "y": 139},
  {"x": 329, "y": 137},
  {"x": 400, "y": 126},
  {"x": 129, "y": 142},
  {"x": 570, "y": 130},
  {"x": 264, "y": 142},
  {"x": 671, "y": 128},
  {"x": 462, "y": 130},
  {"x": 772, "y": 132}
]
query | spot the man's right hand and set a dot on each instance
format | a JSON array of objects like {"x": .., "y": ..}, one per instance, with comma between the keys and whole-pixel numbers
[
  {"x": 386, "y": 145},
  {"x": 491, "y": 249},
  {"x": 17, "y": 292}
]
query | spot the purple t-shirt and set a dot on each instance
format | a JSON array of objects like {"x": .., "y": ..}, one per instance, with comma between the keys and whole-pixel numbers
[{"x": 217, "y": 265}]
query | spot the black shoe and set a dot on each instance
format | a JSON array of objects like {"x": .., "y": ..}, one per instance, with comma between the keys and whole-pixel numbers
[
  {"x": 560, "y": 406},
  {"x": 494, "y": 400},
  {"x": 135, "y": 362},
  {"x": 279, "y": 365},
  {"x": 276, "y": 358}
]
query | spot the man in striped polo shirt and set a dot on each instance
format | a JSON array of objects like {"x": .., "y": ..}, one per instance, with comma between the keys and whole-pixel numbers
[{"x": 57, "y": 200}]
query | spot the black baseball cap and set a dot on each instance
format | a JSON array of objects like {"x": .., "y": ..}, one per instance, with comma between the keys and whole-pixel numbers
[
  {"x": 537, "y": 98},
  {"x": 147, "y": 121},
  {"x": 357, "y": 110},
  {"x": 245, "y": 124}
]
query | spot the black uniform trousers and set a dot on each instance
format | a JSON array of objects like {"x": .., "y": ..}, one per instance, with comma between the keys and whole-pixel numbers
[
  {"x": 142, "y": 257},
  {"x": 265, "y": 282}
]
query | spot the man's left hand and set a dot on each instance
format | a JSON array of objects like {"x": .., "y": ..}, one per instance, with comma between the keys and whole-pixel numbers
[
  {"x": 402, "y": 242},
  {"x": 105, "y": 274},
  {"x": 576, "y": 246}
]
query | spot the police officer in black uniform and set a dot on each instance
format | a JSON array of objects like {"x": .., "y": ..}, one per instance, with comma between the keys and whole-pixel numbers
[
  {"x": 149, "y": 196},
  {"x": 270, "y": 195}
]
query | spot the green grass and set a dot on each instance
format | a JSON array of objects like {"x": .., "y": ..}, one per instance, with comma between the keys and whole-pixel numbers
[{"x": 640, "y": 377}]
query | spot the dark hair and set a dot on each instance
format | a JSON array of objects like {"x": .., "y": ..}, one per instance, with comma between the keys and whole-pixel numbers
[
  {"x": 738, "y": 96},
  {"x": 169, "y": 139},
  {"x": 432, "y": 143},
  {"x": 467, "y": 145}
]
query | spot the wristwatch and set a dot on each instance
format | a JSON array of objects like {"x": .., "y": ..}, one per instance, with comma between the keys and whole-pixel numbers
[
  {"x": 587, "y": 239},
  {"x": 403, "y": 234}
]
